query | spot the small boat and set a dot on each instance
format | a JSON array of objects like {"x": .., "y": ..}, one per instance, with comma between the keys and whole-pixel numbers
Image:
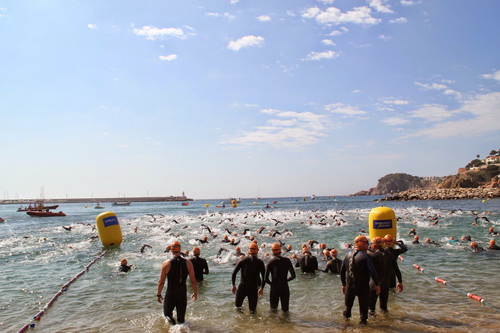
[
  {"x": 185, "y": 203},
  {"x": 98, "y": 206},
  {"x": 36, "y": 207},
  {"x": 44, "y": 213},
  {"x": 121, "y": 203}
]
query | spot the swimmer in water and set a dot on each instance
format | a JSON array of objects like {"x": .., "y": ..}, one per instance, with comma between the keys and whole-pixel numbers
[
  {"x": 308, "y": 263},
  {"x": 475, "y": 248},
  {"x": 123, "y": 266},
  {"x": 492, "y": 245},
  {"x": 333, "y": 266},
  {"x": 277, "y": 277},
  {"x": 252, "y": 274},
  {"x": 357, "y": 268},
  {"x": 200, "y": 265},
  {"x": 175, "y": 271},
  {"x": 416, "y": 240}
]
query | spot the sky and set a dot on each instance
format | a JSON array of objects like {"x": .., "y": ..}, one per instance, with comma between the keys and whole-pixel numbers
[{"x": 242, "y": 98}]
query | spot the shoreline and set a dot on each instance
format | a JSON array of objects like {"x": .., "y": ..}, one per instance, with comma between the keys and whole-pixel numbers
[
  {"x": 86, "y": 200},
  {"x": 445, "y": 194}
]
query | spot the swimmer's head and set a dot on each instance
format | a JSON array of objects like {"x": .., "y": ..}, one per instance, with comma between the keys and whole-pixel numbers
[
  {"x": 205, "y": 238},
  {"x": 333, "y": 253},
  {"x": 326, "y": 253},
  {"x": 253, "y": 248},
  {"x": 377, "y": 242},
  {"x": 322, "y": 246},
  {"x": 361, "y": 242},
  {"x": 238, "y": 249},
  {"x": 304, "y": 246},
  {"x": 176, "y": 247},
  {"x": 123, "y": 262},
  {"x": 427, "y": 240},
  {"x": 389, "y": 241},
  {"x": 276, "y": 248},
  {"x": 491, "y": 229},
  {"x": 196, "y": 251},
  {"x": 492, "y": 242},
  {"x": 294, "y": 256},
  {"x": 452, "y": 238},
  {"x": 416, "y": 238},
  {"x": 289, "y": 247},
  {"x": 473, "y": 245}
]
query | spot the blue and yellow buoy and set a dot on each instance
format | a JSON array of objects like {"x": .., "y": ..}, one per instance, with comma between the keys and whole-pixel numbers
[
  {"x": 109, "y": 229},
  {"x": 234, "y": 203},
  {"x": 382, "y": 221}
]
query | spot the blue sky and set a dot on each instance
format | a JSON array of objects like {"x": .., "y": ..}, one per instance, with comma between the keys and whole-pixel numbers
[{"x": 229, "y": 98}]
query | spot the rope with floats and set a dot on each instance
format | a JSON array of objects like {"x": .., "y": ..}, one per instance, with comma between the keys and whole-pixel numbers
[
  {"x": 444, "y": 282},
  {"x": 38, "y": 316}
]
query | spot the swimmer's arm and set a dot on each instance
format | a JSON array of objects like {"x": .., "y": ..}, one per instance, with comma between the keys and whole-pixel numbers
[
  {"x": 205, "y": 268},
  {"x": 292, "y": 272},
  {"x": 165, "y": 268},
  {"x": 192, "y": 278},
  {"x": 235, "y": 272}
]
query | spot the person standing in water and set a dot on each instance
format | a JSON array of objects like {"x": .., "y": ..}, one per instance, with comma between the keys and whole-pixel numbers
[
  {"x": 252, "y": 275},
  {"x": 278, "y": 268},
  {"x": 357, "y": 268},
  {"x": 200, "y": 265},
  {"x": 176, "y": 270}
]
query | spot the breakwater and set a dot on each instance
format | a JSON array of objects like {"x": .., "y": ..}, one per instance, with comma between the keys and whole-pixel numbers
[
  {"x": 445, "y": 194},
  {"x": 85, "y": 200}
]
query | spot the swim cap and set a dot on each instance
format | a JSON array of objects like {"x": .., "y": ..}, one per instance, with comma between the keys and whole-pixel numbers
[
  {"x": 276, "y": 248},
  {"x": 176, "y": 246},
  {"x": 360, "y": 239},
  {"x": 388, "y": 238},
  {"x": 427, "y": 240},
  {"x": 416, "y": 237},
  {"x": 326, "y": 253},
  {"x": 323, "y": 246},
  {"x": 294, "y": 256},
  {"x": 304, "y": 245},
  {"x": 238, "y": 249},
  {"x": 196, "y": 251},
  {"x": 253, "y": 248},
  {"x": 333, "y": 252},
  {"x": 492, "y": 242},
  {"x": 123, "y": 262},
  {"x": 473, "y": 244},
  {"x": 491, "y": 229},
  {"x": 377, "y": 242},
  {"x": 289, "y": 247}
]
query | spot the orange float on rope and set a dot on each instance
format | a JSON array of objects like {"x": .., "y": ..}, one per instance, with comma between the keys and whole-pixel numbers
[
  {"x": 418, "y": 267},
  {"x": 440, "y": 280},
  {"x": 477, "y": 298},
  {"x": 401, "y": 258}
]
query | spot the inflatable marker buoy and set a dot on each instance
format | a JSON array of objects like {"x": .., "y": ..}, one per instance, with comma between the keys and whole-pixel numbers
[
  {"x": 401, "y": 258},
  {"x": 477, "y": 298},
  {"x": 418, "y": 267},
  {"x": 440, "y": 280},
  {"x": 382, "y": 221},
  {"x": 109, "y": 229}
]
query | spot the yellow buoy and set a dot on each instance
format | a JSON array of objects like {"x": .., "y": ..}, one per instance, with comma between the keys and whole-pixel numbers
[
  {"x": 234, "y": 203},
  {"x": 382, "y": 221},
  {"x": 207, "y": 205},
  {"x": 109, "y": 229}
]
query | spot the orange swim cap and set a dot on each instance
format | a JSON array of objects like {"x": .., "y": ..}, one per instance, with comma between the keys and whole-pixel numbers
[
  {"x": 123, "y": 261},
  {"x": 294, "y": 256},
  {"x": 377, "y": 242},
  {"x": 333, "y": 252},
  {"x": 323, "y": 246},
  {"x": 473, "y": 244},
  {"x": 176, "y": 246},
  {"x": 388, "y": 238},
  {"x": 416, "y": 237},
  {"x": 276, "y": 248},
  {"x": 196, "y": 251},
  {"x": 360, "y": 239},
  {"x": 326, "y": 253},
  {"x": 253, "y": 248},
  {"x": 238, "y": 249}
]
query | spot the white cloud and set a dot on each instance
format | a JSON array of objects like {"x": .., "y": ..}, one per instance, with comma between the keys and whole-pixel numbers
[
  {"x": 333, "y": 15},
  {"x": 346, "y": 110},
  {"x": 482, "y": 116},
  {"x": 410, "y": 2},
  {"x": 264, "y": 18},
  {"x": 287, "y": 129},
  {"x": 394, "y": 121},
  {"x": 399, "y": 20},
  {"x": 432, "y": 113},
  {"x": 169, "y": 57},
  {"x": 321, "y": 55},
  {"x": 493, "y": 76},
  {"x": 380, "y": 6},
  {"x": 395, "y": 101},
  {"x": 384, "y": 37},
  {"x": 92, "y": 26},
  {"x": 246, "y": 41},
  {"x": 223, "y": 15},
  {"x": 328, "y": 42},
  {"x": 152, "y": 33},
  {"x": 327, "y": 2},
  {"x": 440, "y": 86}
]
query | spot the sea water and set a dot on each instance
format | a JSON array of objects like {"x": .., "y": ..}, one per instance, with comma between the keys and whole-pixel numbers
[{"x": 38, "y": 256}]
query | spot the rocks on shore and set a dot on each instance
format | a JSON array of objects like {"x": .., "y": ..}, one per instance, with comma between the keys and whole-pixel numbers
[{"x": 445, "y": 194}]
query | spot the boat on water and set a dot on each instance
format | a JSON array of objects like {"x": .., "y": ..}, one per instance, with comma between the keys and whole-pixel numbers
[
  {"x": 231, "y": 200},
  {"x": 99, "y": 206},
  {"x": 44, "y": 213},
  {"x": 121, "y": 203},
  {"x": 37, "y": 207},
  {"x": 185, "y": 204}
]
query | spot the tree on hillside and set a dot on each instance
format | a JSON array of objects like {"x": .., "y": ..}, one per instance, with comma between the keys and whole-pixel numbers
[
  {"x": 494, "y": 153},
  {"x": 474, "y": 163},
  {"x": 477, "y": 156}
]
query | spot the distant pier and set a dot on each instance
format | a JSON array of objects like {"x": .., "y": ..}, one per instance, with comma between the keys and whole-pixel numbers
[{"x": 85, "y": 200}]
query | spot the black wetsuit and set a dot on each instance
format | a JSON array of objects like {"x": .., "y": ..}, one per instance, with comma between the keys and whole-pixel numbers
[
  {"x": 175, "y": 296},
  {"x": 200, "y": 267},
  {"x": 333, "y": 266},
  {"x": 124, "y": 268},
  {"x": 385, "y": 264},
  {"x": 308, "y": 264},
  {"x": 357, "y": 268},
  {"x": 395, "y": 252},
  {"x": 493, "y": 247},
  {"x": 278, "y": 268},
  {"x": 251, "y": 267}
]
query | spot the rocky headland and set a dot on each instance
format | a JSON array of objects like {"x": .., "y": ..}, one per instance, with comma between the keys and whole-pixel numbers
[{"x": 475, "y": 181}]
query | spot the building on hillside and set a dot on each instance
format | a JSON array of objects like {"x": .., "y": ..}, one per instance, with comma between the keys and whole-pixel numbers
[{"x": 492, "y": 160}]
